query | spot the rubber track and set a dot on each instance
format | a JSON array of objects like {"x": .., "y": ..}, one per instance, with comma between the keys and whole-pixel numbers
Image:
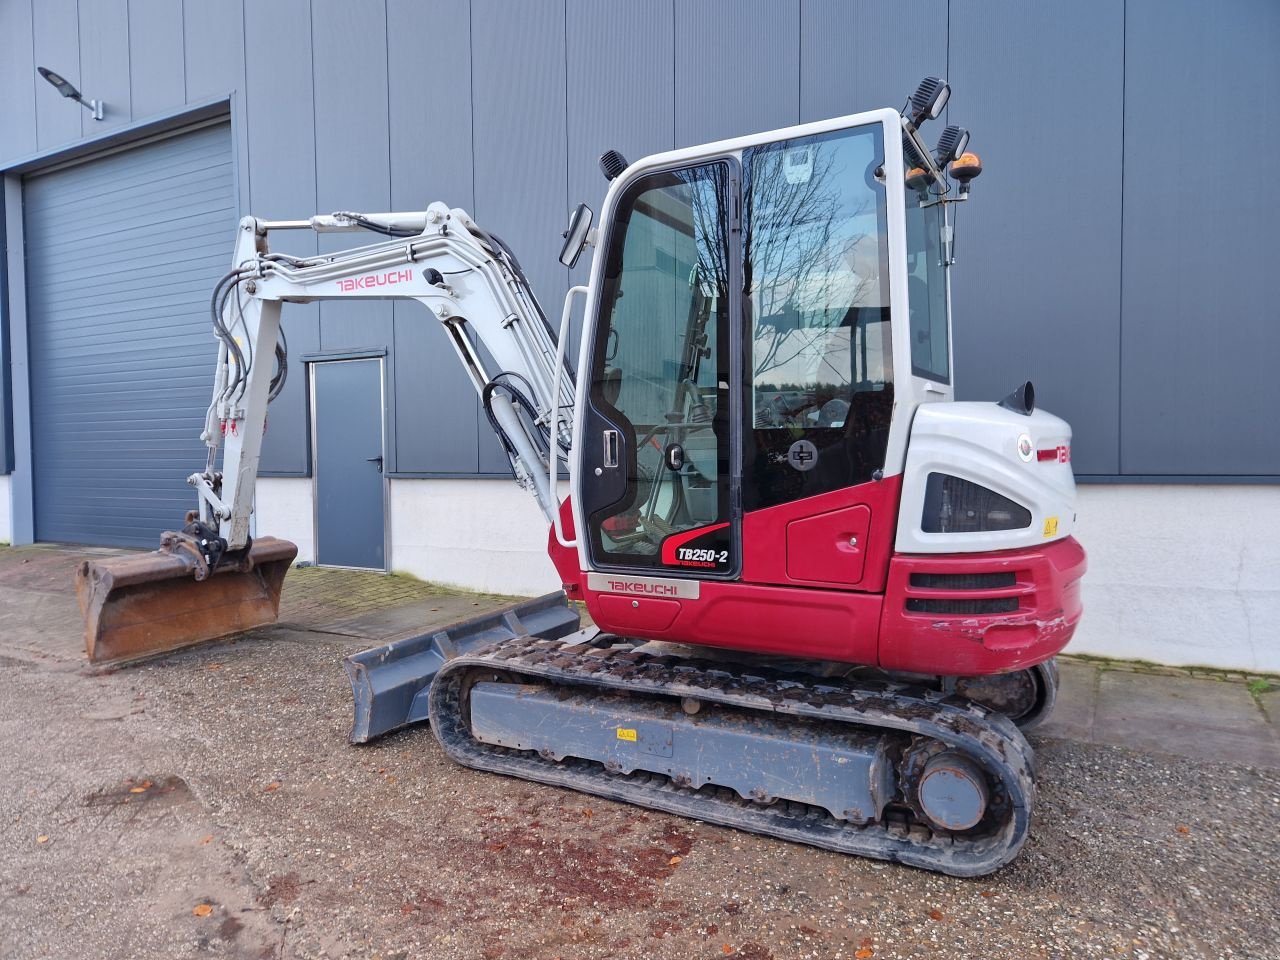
[{"x": 992, "y": 740}]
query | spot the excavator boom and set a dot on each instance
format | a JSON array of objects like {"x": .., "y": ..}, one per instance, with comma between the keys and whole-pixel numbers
[{"x": 151, "y": 603}]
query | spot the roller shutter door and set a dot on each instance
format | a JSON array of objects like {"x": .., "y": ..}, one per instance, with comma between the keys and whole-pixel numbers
[{"x": 122, "y": 254}]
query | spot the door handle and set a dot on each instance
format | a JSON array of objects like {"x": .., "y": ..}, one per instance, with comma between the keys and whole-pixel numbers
[
  {"x": 377, "y": 460},
  {"x": 611, "y": 444}
]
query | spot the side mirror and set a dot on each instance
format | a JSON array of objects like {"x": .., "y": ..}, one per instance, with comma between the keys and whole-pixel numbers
[{"x": 575, "y": 237}]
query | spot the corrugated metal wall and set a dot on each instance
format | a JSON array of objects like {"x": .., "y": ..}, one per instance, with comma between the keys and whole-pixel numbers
[
  {"x": 122, "y": 254},
  {"x": 1113, "y": 251}
]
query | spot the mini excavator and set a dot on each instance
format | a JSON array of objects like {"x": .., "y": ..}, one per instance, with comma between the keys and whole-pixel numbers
[{"x": 824, "y": 596}]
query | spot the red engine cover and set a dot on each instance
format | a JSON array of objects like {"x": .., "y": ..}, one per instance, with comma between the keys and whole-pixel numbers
[
  {"x": 950, "y": 614},
  {"x": 933, "y": 619}
]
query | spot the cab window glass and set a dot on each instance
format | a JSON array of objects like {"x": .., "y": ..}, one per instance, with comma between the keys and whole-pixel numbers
[
  {"x": 660, "y": 375},
  {"x": 927, "y": 286},
  {"x": 817, "y": 295}
]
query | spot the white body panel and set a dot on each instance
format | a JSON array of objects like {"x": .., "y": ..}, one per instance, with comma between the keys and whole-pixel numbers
[
  {"x": 6, "y": 510},
  {"x": 980, "y": 442}
]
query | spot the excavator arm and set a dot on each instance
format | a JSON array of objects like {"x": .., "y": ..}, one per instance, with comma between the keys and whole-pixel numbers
[{"x": 467, "y": 280}]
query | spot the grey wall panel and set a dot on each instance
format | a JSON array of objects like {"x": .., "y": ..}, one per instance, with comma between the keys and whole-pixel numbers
[
  {"x": 17, "y": 81},
  {"x": 430, "y": 117},
  {"x": 282, "y": 156},
  {"x": 519, "y": 116},
  {"x": 57, "y": 46},
  {"x": 352, "y": 166},
  {"x": 215, "y": 44},
  {"x": 1201, "y": 327},
  {"x": 867, "y": 55},
  {"x": 621, "y": 97},
  {"x": 1036, "y": 286},
  {"x": 518, "y": 59},
  {"x": 737, "y": 67},
  {"x": 6, "y": 403},
  {"x": 104, "y": 63},
  {"x": 120, "y": 347},
  {"x": 157, "y": 64},
  {"x": 286, "y": 447},
  {"x": 281, "y": 128},
  {"x": 437, "y": 418}
]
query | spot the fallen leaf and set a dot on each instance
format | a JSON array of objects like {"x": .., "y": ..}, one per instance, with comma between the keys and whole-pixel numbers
[
  {"x": 988, "y": 893},
  {"x": 1182, "y": 828},
  {"x": 272, "y": 787},
  {"x": 726, "y": 949},
  {"x": 496, "y": 846},
  {"x": 143, "y": 787},
  {"x": 206, "y": 839},
  {"x": 675, "y": 861},
  {"x": 935, "y": 914},
  {"x": 588, "y": 812},
  {"x": 202, "y": 909},
  {"x": 214, "y": 666},
  {"x": 43, "y": 838},
  {"x": 863, "y": 953}
]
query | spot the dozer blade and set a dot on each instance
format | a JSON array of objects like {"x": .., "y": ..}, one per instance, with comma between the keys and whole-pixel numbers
[
  {"x": 391, "y": 684},
  {"x": 151, "y": 603}
]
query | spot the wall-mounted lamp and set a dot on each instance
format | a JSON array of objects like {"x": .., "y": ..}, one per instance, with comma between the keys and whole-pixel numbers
[{"x": 64, "y": 87}]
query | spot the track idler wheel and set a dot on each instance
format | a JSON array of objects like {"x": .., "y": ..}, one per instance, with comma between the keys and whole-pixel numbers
[{"x": 1026, "y": 696}]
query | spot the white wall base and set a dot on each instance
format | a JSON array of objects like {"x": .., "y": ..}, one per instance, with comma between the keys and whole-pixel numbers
[
  {"x": 6, "y": 510},
  {"x": 1177, "y": 574},
  {"x": 1182, "y": 574},
  {"x": 483, "y": 535},
  {"x": 283, "y": 508}
]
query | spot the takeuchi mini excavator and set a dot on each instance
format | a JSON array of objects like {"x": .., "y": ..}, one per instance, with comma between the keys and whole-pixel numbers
[{"x": 824, "y": 596}]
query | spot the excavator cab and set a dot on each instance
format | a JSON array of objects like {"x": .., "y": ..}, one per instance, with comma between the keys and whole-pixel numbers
[{"x": 742, "y": 350}]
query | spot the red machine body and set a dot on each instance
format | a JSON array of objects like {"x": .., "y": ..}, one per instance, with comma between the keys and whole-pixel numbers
[{"x": 954, "y": 614}]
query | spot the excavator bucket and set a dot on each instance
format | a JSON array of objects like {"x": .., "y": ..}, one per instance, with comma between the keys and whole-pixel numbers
[{"x": 149, "y": 603}]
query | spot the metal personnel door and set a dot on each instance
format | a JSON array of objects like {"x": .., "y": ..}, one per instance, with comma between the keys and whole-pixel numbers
[{"x": 347, "y": 440}]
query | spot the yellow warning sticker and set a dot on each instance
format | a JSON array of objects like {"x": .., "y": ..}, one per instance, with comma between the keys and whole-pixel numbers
[
  {"x": 1050, "y": 526},
  {"x": 626, "y": 733}
]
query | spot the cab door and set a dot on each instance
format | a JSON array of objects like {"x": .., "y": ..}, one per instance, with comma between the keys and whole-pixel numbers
[{"x": 656, "y": 441}]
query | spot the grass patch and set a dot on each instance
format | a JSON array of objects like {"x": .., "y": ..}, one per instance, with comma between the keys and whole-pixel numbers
[{"x": 1259, "y": 685}]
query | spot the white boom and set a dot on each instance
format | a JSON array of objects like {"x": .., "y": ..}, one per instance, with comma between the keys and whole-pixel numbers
[{"x": 468, "y": 280}]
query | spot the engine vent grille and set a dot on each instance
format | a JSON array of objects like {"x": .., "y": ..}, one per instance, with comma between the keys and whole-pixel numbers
[
  {"x": 964, "y": 581},
  {"x": 964, "y": 607}
]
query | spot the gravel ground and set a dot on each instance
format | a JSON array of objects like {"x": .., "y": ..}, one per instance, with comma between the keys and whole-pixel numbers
[{"x": 221, "y": 778}]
